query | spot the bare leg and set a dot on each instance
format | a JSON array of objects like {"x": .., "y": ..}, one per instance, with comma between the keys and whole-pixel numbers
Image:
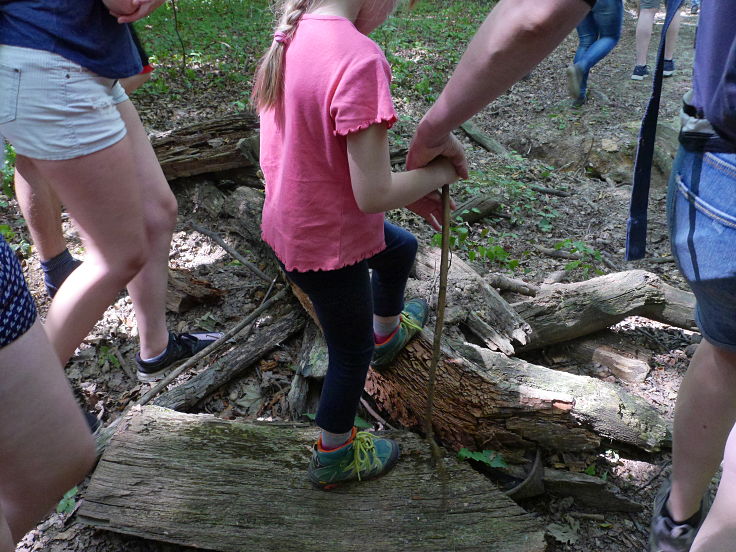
[
  {"x": 672, "y": 33},
  {"x": 148, "y": 288},
  {"x": 644, "y": 25},
  {"x": 102, "y": 194},
  {"x": 42, "y": 211},
  {"x": 704, "y": 415},
  {"x": 718, "y": 533},
  {"x": 131, "y": 84},
  {"x": 47, "y": 447}
]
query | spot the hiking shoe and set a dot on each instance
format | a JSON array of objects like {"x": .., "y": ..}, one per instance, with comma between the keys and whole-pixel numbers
[
  {"x": 639, "y": 72},
  {"x": 181, "y": 346},
  {"x": 667, "y": 536},
  {"x": 579, "y": 101},
  {"x": 363, "y": 457},
  {"x": 668, "y": 68},
  {"x": 412, "y": 320},
  {"x": 574, "y": 80},
  {"x": 93, "y": 422}
]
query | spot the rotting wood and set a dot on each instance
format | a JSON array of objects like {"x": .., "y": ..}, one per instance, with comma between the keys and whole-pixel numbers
[
  {"x": 486, "y": 400},
  {"x": 477, "y": 208},
  {"x": 514, "y": 285},
  {"x": 483, "y": 140},
  {"x": 561, "y": 312},
  {"x": 232, "y": 364},
  {"x": 185, "y": 292},
  {"x": 625, "y": 361},
  {"x": 503, "y": 328},
  {"x": 196, "y": 480}
]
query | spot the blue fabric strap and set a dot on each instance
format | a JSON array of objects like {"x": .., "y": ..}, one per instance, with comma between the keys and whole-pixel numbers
[{"x": 636, "y": 226}]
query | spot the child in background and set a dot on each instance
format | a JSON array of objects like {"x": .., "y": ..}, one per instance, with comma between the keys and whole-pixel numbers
[{"x": 323, "y": 93}]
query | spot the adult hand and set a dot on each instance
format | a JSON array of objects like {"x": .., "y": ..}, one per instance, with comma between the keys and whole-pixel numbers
[
  {"x": 127, "y": 11},
  {"x": 424, "y": 149},
  {"x": 429, "y": 208}
]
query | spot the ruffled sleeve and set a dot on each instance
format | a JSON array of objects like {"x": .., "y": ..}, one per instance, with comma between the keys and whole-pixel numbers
[{"x": 363, "y": 96}]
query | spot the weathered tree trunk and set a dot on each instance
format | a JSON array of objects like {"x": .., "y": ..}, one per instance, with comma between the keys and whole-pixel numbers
[
  {"x": 185, "y": 292},
  {"x": 492, "y": 318},
  {"x": 625, "y": 361},
  {"x": 232, "y": 364},
  {"x": 204, "y": 482},
  {"x": 561, "y": 312},
  {"x": 477, "y": 208},
  {"x": 487, "y": 400}
]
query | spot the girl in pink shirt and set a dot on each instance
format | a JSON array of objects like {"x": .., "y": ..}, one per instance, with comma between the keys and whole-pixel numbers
[{"x": 323, "y": 93}]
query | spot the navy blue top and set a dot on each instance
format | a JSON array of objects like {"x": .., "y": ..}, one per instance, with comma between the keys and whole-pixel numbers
[
  {"x": 714, "y": 75},
  {"x": 82, "y": 31}
]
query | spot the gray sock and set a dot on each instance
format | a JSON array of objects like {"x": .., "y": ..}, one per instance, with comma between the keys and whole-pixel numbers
[{"x": 334, "y": 440}]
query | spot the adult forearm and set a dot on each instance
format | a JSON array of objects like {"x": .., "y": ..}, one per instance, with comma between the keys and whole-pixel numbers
[{"x": 515, "y": 36}]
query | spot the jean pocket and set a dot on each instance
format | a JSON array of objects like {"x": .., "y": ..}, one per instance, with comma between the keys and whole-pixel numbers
[
  {"x": 713, "y": 194},
  {"x": 9, "y": 86}
]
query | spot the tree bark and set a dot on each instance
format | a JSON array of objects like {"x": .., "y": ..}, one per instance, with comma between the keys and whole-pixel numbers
[
  {"x": 486, "y": 400},
  {"x": 204, "y": 482},
  {"x": 232, "y": 364},
  {"x": 561, "y": 312}
]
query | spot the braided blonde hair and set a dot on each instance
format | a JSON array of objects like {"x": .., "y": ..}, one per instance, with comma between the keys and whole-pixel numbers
[{"x": 269, "y": 86}]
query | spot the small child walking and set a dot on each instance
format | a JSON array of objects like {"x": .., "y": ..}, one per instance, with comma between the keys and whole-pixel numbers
[{"x": 323, "y": 94}]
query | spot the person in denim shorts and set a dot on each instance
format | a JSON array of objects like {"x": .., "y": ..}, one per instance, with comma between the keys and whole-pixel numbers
[
  {"x": 46, "y": 446},
  {"x": 645, "y": 22},
  {"x": 74, "y": 129},
  {"x": 702, "y": 218}
]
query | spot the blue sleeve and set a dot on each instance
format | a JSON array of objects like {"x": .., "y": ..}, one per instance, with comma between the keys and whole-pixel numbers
[{"x": 721, "y": 111}]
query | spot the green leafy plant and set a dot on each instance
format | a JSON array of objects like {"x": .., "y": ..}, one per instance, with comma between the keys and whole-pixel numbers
[
  {"x": 490, "y": 458},
  {"x": 106, "y": 355},
  {"x": 7, "y": 171},
  {"x": 68, "y": 502},
  {"x": 478, "y": 247},
  {"x": 588, "y": 256}
]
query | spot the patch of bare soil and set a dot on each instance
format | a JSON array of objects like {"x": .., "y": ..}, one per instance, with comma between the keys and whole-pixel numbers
[{"x": 585, "y": 152}]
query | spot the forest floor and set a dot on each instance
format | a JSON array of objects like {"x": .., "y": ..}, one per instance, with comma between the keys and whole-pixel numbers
[{"x": 587, "y": 152}]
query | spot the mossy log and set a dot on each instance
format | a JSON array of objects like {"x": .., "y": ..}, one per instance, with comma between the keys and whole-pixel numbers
[
  {"x": 486, "y": 400},
  {"x": 196, "y": 480}
]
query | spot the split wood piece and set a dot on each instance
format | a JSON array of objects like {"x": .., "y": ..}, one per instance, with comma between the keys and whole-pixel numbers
[
  {"x": 587, "y": 490},
  {"x": 489, "y": 316},
  {"x": 185, "y": 292},
  {"x": 624, "y": 360},
  {"x": 204, "y": 482},
  {"x": 504, "y": 283},
  {"x": 311, "y": 365},
  {"x": 486, "y": 400},
  {"x": 234, "y": 363},
  {"x": 477, "y": 208},
  {"x": 561, "y": 312},
  {"x": 483, "y": 140}
]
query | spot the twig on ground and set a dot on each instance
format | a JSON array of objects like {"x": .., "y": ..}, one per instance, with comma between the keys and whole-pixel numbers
[
  {"x": 375, "y": 414},
  {"x": 219, "y": 241},
  {"x": 549, "y": 191}
]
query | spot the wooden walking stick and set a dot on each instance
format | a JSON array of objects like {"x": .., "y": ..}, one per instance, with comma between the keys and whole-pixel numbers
[{"x": 439, "y": 324}]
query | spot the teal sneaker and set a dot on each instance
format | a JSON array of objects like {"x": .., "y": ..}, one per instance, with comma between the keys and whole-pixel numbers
[
  {"x": 413, "y": 318},
  {"x": 363, "y": 457}
]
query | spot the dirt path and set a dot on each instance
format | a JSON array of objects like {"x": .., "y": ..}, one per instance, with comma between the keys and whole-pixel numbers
[{"x": 587, "y": 151}]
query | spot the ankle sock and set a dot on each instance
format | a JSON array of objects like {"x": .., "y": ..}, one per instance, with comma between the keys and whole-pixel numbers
[
  {"x": 383, "y": 331},
  {"x": 56, "y": 270},
  {"x": 158, "y": 357},
  {"x": 692, "y": 521},
  {"x": 332, "y": 441}
]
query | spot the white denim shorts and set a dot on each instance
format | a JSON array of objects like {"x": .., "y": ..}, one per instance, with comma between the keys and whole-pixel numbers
[{"x": 53, "y": 109}]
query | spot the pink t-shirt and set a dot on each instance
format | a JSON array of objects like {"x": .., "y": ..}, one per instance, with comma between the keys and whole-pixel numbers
[{"x": 336, "y": 81}]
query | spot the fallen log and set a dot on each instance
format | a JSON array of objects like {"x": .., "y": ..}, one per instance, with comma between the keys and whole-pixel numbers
[
  {"x": 185, "y": 292},
  {"x": 204, "y": 482},
  {"x": 477, "y": 208},
  {"x": 486, "y": 400},
  {"x": 484, "y": 140},
  {"x": 625, "y": 361},
  {"x": 229, "y": 366},
  {"x": 561, "y": 312},
  {"x": 489, "y": 316}
]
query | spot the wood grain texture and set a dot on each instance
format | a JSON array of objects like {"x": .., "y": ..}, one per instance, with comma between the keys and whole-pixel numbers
[{"x": 199, "y": 481}]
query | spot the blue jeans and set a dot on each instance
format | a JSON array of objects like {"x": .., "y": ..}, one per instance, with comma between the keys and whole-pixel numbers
[
  {"x": 701, "y": 210},
  {"x": 598, "y": 33},
  {"x": 345, "y": 301}
]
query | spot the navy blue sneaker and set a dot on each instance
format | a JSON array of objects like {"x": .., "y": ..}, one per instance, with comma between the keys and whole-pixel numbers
[
  {"x": 640, "y": 71},
  {"x": 181, "y": 346},
  {"x": 668, "y": 68}
]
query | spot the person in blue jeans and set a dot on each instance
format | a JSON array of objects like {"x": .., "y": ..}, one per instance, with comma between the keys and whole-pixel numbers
[
  {"x": 598, "y": 34},
  {"x": 702, "y": 218}
]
